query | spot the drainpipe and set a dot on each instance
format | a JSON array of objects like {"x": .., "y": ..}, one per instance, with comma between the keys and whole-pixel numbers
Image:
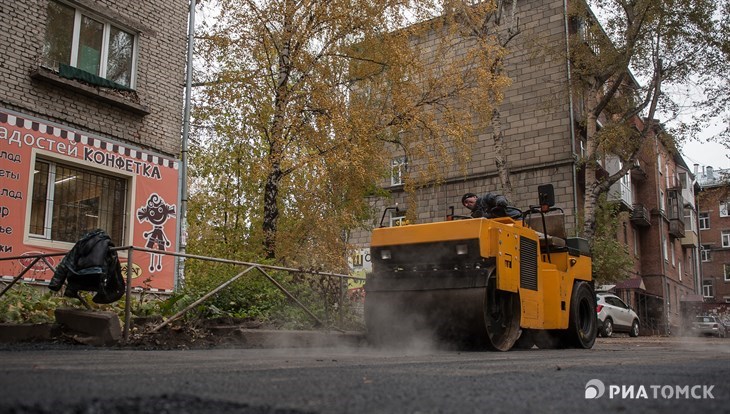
[
  {"x": 660, "y": 221},
  {"x": 573, "y": 154},
  {"x": 182, "y": 229}
]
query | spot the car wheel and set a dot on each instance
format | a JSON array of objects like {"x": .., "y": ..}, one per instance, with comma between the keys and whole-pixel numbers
[
  {"x": 607, "y": 328},
  {"x": 634, "y": 329}
]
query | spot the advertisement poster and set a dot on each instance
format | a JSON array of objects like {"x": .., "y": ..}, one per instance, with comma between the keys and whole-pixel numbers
[
  {"x": 143, "y": 195},
  {"x": 360, "y": 266}
]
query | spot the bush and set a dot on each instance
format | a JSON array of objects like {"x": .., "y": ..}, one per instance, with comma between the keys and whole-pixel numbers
[
  {"x": 254, "y": 296},
  {"x": 27, "y": 304}
]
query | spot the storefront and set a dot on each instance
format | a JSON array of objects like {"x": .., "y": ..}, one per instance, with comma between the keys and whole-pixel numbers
[{"x": 57, "y": 183}]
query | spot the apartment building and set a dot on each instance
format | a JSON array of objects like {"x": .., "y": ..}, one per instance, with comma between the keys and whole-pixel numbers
[
  {"x": 714, "y": 224},
  {"x": 90, "y": 128},
  {"x": 543, "y": 144},
  {"x": 660, "y": 229}
]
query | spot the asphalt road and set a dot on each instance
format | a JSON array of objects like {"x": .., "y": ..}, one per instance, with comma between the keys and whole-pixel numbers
[{"x": 638, "y": 375}]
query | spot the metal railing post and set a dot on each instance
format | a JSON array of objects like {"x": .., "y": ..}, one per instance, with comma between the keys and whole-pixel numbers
[
  {"x": 19, "y": 276},
  {"x": 128, "y": 296}
]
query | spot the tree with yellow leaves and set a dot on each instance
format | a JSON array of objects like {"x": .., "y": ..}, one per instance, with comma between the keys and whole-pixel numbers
[
  {"x": 623, "y": 71},
  {"x": 302, "y": 104}
]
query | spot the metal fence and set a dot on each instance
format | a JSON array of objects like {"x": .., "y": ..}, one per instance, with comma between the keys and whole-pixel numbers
[{"x": 263, "y": 269}]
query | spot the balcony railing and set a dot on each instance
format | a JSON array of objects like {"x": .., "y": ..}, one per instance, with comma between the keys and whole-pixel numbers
[
  {"x": 676, "y": 228},
  {"x": 640, "y": 216}
]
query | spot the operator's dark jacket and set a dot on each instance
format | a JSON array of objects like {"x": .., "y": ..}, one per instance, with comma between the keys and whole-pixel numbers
[
  {"x": 492, "y": 205},
  {"x": 91, "y": 265}
]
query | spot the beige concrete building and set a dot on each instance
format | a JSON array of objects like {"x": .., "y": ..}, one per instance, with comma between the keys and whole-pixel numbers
[{"x": 538, "y": 124}]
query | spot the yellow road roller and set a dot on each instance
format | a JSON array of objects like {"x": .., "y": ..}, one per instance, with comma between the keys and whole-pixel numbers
[{"x": 480, "y": 283}]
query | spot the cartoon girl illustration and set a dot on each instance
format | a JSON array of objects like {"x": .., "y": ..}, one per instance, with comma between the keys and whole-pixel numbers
[{"x": 156, "y": 212}]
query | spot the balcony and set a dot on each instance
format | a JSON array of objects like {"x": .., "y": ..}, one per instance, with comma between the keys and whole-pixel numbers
[
  {"x": 690, "y": 239},
  {"x": 676, "y": 228},
  {"x": 640, "y": 216},
  {"x": 620, "y": 191},
  {"x": 637, "y": 172}
]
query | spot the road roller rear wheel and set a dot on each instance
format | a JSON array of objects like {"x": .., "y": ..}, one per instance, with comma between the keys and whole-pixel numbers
[{"x": 582, "y": 327}]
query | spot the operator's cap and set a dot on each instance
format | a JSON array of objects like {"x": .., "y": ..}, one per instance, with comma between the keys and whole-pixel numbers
[{"x": 467, "y": 195}]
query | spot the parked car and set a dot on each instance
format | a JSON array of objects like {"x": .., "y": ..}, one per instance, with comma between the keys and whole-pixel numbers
[
  {"x": 615, "y": 316},
  {"x": 709, "y": 325}
]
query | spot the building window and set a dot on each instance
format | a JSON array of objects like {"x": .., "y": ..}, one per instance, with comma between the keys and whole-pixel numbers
[
  {"x": 662, "y": 203},
  {"x": 69, "y": 201},
  {"x": 398, "y": 219},
  {"x": 726, "y": 271},
  {"x": 398, "y": 167},
  {"x": 724, "y": 209},
  {"x": 707, "y": 289},
  {"x": 705, "y": 253},
  {"x": 672, "y": 253},
  {"x": 726, "y": 238},
  {"x": 704, "y": 221},
  {"x": 665, "y": 253},
  {"x": 81, "y": 40},
  {"x": 679, "y": 272}
]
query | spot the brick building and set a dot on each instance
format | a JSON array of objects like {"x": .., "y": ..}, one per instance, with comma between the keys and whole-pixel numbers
[
  {"x": 660, "y": 229},
  {"x": 714, "y": 220},
  {"x": 543, "y": 144},
  {"x": 90, "y": 127}
]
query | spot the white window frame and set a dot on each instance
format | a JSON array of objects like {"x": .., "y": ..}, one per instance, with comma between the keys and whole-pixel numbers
[
  {"x": 679, "y": 270},
  {"x": 708, "y": 290},
  {"x": 46, "y": 239},
  {"x": 726, "y": 272},
  {"x": 398, "y": 219},
  {"x": 662, "y": 202},
  {"x": 398, "y": 166},
  {"x": 725, "y": 209},
  {"x": 104, "y": 58},
  {"x": 665, "y": 253},
  {"x": 704, "y": 220},
  {"x": 725, "y": 235},
  {"x": 705, "y": 255},
  {"x": 672, "y": 253}
]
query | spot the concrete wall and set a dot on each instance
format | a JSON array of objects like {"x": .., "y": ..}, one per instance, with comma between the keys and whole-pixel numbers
[{"x": 536, "y": 124}]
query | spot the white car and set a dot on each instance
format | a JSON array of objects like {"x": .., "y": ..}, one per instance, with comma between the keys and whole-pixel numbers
[{"x": 615, "y": 316}]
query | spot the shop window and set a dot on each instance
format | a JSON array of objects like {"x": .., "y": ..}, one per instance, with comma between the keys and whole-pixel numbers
[
  {"x": 82, "y": 46},
  {"x": 69, "y": 201}
]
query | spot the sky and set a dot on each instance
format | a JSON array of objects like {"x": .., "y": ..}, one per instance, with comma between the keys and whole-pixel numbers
[{"x": 706, "y": 155}]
